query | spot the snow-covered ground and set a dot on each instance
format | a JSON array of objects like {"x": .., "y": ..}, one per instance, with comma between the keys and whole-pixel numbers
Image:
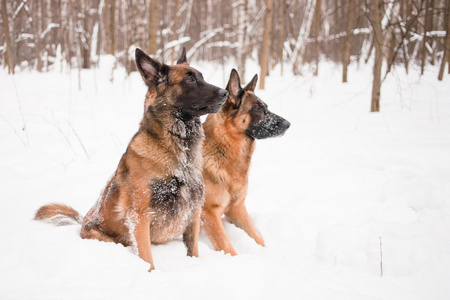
[{"x": 342, "y": 186}]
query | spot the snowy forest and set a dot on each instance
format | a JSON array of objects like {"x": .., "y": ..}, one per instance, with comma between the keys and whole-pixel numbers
[
  {"x": 289, "y": 33},
  {"x": 352, "y": 202}
]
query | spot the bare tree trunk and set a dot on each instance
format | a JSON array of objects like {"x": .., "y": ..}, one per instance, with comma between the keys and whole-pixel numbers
[
  {"x": 389, "y": 37},
  {"x": 316, "y": 35},
  {"x": 105, "y": 10},
  {"x": 79, "y": 32},
  {"x": 391, "y": 56},
  {"x": 109, "y": 26},
  {"x": 106, "y": 27},
  {"x": 5, "y": 20},
  {"x": 337, "y": 10},
  {"x": 427, "y": 28},
  {"x": 405, "y": 57},
  {"x": 446, "y": 56},
  {"x": 112, "y": 27},
  {"x": 348, "y": 39},
  {"x": 369, "y": 53},
  {"x": 326, "y": 27},
  {"x": 153, "y": 23},
  {"x": 209, "y": 25},
  {"x": 265, "y": 44},
  {"x": 49, "y": 46},
  {"x": 281, "y": 34},
  {"x": 175, "y": 28},
  {"x": 45, "y": 21},
  {"x": 272, "y": 58},
  {"x": 65, "y": 17},
  {"x": 432, "y": 12},
  {"x": 86, "y": 44},
  {"x": 305, "y": 29},
  {"x": 242, "y": 38},
  {"x": 72, "y": 41},
  {"x": 378, "y": 43},
  {"x": 184, "y": 28},
  {"x": 37, "y": 25},
  {"x": 447, "y": 40},
  {"x": 139, "y": 30}
]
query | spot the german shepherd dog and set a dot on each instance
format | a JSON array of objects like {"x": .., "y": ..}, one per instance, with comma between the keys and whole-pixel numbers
[
  {"x": 157, "y": 191},
  {"x": 229, "y": 144}
]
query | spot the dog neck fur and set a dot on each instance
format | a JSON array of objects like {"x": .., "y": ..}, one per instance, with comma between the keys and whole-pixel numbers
[
  {"x": 169, "y": 118},
  {"x": 226, "y": 137}
]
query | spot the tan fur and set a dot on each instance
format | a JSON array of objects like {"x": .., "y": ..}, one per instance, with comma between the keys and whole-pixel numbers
[
  {"x": 227, "y": 153},
  {"x": 162, "y": 156},
  {"x": 58, "y": 214}
]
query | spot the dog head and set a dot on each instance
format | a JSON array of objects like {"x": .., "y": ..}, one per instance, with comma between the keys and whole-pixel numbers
[
  {"x": 180, "y": 87},
  {"x": 249, "y": 113}
]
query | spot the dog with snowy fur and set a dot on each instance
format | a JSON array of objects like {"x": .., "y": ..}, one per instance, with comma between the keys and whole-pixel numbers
[
  {"x": 157, "y": 191},
  {"x": 230, "y": 137}
]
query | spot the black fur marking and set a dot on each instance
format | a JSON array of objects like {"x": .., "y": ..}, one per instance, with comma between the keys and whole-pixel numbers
[
  {"x": 166, "y": 194},
  {"x": 150, "y": 116},
  {"x": 199, "y": 97},
  {"x": 270, "y": 125},
  {"x": 188, "y": 238},
  {"x": 196, "y": 191},
  {"x": 182, "y": 59}
]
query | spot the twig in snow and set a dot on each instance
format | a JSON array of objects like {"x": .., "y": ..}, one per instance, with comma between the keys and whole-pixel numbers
[
  {"x": 58, "y": 127},
  {"x": 79, "y": 140},
  {"x": 381, "y": 258},
  {"x": 15, "y": 131},
  {"x": 20, "y": 110}
]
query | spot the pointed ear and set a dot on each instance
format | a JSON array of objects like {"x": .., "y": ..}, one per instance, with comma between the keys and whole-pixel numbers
[
  {"x": 252, "y": 84},
  {"x": 182, "y": 59},
  {"x": 234, "y": 84},
  {"x": 151, "y": 70},
  {"x": 234, "y": 87}
]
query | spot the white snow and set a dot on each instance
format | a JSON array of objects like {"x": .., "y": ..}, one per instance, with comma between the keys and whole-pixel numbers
[{"x": 322, "y": 195}]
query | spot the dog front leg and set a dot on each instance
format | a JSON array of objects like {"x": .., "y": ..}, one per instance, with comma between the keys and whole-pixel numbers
[
  {"x": 213, "y": 226},
  {"x": 238, "y": 215},
  {"x": 191, "y": 234},
  {"x": 139, "y": 226}
]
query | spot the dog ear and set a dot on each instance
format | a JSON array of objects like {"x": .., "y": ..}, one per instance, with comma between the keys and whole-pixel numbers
[
  {"x": 151, "y": 70},
  {"x": 252, "y": 84},
  {"x": 234, "y": 87},
  {"x": 182, "y": 59}
]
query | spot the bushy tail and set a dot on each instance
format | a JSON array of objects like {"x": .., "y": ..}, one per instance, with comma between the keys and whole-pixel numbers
[{"x": 58, "y": 214}]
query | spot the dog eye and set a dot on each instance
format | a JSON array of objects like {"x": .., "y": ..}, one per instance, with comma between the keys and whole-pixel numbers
[{"x": 190, "y": 79}]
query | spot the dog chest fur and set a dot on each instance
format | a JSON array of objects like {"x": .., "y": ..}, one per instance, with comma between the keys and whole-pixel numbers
[
  {"x": 172, "y": 198},
  {"x": 173, "y": 202}
]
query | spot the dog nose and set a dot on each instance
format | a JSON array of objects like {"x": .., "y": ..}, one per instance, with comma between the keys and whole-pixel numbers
[
  {"x": 223, "y": 93},
  {"x": 286, "y": 124}
]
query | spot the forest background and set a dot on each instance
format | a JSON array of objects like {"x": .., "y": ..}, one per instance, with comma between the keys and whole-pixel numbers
[
  {"x": 351, "y": 204},
  {"x": 295, "y": 34}
]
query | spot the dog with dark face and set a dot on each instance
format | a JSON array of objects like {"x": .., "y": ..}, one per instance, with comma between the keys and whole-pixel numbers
[
  {"x": 157, "y": 191},
  {"x": 227, "y": 151}
]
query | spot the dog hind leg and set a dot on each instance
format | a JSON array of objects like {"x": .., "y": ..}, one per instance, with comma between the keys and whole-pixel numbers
[{"x": 88, "y": 232}]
